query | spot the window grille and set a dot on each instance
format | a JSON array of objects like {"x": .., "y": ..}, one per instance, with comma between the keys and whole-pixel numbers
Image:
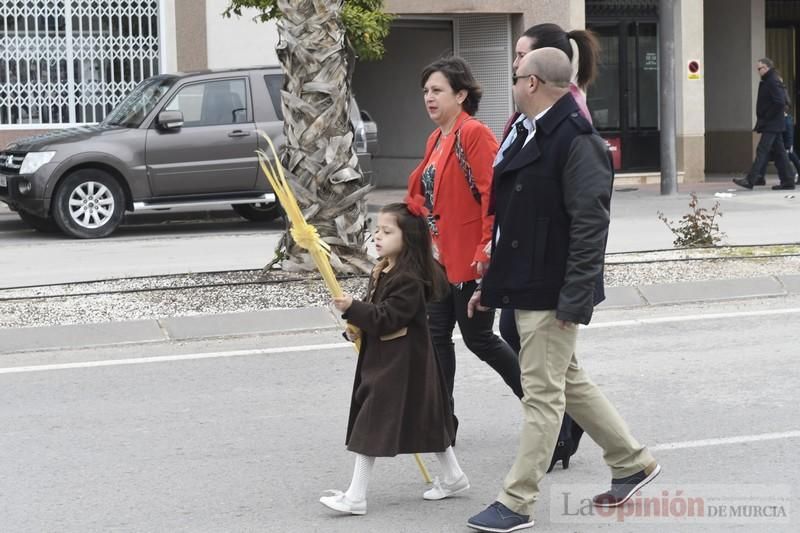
[{"x": 71, "y": 61}]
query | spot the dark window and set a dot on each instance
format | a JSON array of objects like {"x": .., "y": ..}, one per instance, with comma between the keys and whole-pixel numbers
[
  {"x": 274, "y": 85},
  {"x": 603, "y": 97}
]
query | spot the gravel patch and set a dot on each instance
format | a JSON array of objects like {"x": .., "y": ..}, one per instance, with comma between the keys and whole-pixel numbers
[{"x": 240, "y": 291}]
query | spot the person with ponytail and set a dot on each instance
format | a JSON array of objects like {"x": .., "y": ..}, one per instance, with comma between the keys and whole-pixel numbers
[{"x": 582, "y": 49}]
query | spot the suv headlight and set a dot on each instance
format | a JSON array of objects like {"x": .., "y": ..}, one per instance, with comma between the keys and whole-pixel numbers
[{"x": 34, "y": 160}]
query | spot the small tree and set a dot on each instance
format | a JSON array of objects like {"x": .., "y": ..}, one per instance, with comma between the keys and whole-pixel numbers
[
  {"x": 697, "y": 228},
  {"x": 319, "y": 43}
]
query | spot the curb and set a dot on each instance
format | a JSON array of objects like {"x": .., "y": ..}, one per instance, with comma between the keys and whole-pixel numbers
[
  {"x": 177, "y": 329},
  {"x": 701, "y": 291},
  {"x": 280, "y": 321}
]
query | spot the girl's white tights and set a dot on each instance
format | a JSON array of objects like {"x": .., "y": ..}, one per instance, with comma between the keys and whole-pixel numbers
[
  {"x": 360, "y": 482},
  {"x": 450, "y": 467},
  {"x": 363, "y": 468}
]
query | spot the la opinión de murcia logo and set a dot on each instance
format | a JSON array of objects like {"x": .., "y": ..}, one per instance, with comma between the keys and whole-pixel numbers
[{"x": 703, "y": 504}]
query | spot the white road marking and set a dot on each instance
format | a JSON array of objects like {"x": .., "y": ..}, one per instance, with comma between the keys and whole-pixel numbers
[
  {"x": 691, "y": 318},
  {"x": 171, "y": 358},
  {"x": 339, "y": 345},
  {"x": 722, "y": 441}
]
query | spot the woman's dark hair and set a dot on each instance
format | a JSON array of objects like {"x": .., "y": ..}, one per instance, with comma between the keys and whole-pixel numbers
[
  {"x": 552, "y": 35},
  {"x": 416, "y": 258},
  {"x": 460, "y": 77}
]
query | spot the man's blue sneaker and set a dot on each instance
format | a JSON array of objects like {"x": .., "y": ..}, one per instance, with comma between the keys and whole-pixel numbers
[{"x": 497, "y": 518}]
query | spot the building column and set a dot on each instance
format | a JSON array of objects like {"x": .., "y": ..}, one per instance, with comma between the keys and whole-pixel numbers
[
  {"x": 690, "y": 91},
  {"x": 735, "y": 38},
  {"x": 191, "y": 31}
]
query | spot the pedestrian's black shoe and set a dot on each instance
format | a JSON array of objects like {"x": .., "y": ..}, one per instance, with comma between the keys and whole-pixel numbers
[
  {"x": 622, "y": 489},
  {"x": 742, "y": 182},
  {"x": 783, "y": 187},
  {"x": 497, "y": 518},
  {"x": 760, "y": 181}
]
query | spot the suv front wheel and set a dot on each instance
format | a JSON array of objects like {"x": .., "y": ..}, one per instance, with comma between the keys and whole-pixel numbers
[{"x": 88, "y": 204}]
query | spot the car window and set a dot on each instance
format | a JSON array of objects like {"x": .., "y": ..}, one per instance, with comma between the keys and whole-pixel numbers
[
  {"x": 140, "y": 102},
  {"x": 274, "y": 85},
  {"x": 211, "y": 103}
]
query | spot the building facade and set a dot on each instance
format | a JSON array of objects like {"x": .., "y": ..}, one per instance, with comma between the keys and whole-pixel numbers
[{"x": 68, "y": 62}]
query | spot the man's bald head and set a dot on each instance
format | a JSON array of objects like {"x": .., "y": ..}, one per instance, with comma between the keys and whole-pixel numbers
[
  {"x": 543, "y": 77},
  {"x": 550, "y": 64}
]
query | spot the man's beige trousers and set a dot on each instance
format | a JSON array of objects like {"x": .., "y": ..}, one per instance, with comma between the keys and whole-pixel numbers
[{"x": 553, "y": 381}]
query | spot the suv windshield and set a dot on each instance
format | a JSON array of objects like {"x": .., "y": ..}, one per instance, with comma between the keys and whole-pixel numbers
[{"x": 131, "y": 111}]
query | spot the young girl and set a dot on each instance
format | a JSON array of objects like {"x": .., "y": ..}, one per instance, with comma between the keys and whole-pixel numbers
[{"x": 400, "y": 402}]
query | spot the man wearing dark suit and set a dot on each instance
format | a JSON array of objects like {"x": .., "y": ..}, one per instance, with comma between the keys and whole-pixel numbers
[
  {"x": 770, "y": 124},
  {"x": 551, "y": 202}
]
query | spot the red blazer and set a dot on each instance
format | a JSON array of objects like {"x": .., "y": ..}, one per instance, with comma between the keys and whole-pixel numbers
[{"x": 465, "y": 227}]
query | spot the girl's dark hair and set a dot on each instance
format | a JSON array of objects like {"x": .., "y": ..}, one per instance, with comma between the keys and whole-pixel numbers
[
  {"x": 460, "y": 77},
  {"x": 416, "y": 258},
  {"x": 552, "y": 35}
]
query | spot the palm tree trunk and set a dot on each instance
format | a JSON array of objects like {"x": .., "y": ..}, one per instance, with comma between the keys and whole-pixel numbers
[{"x": 320, "y": 162}]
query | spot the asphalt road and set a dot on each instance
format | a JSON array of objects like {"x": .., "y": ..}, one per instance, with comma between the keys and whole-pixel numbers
[{"x": 246, "y": 442}]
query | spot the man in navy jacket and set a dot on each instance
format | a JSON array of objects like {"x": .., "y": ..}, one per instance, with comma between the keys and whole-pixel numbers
[
  {"x": 551, "y": 200},
  {"x": 770, "y": 124}
]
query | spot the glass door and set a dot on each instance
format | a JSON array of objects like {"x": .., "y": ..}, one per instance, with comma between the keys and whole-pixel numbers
[{"x": 624, "y": 99}]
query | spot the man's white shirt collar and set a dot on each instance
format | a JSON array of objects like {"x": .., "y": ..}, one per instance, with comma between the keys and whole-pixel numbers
[{"x": 531, "y": 124}]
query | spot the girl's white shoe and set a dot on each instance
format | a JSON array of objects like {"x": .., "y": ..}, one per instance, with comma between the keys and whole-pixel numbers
[
  {"x": 441, "y": 490},
  {"x": 338, "y": 501}
]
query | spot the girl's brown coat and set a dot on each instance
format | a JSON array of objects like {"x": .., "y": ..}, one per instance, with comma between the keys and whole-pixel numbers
[{"x": 399, "y": 402}]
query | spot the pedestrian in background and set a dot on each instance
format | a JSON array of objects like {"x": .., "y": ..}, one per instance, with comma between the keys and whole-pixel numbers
[
  {"x": 455, "y": 179},
  {"x": 770, "y": 123},
  {"x": 552, "y": 195},
  {"x": 584, "y": 56},
  {"x": 788, "y": 140},
  {"x": 399, "y": 403}
]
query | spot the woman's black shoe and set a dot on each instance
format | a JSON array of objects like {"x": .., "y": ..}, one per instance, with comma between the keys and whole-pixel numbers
[
  {"x": 566, "y": 447},
  {"x": 562, "y": 453}
]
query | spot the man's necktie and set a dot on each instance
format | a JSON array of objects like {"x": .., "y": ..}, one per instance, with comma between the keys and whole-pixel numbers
[{"x": 516, "y": 146}]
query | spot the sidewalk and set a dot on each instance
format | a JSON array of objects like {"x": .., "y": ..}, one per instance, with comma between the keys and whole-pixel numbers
[
  {"x": 280, "y": 321},
  {"x": 761, "y": 216}
]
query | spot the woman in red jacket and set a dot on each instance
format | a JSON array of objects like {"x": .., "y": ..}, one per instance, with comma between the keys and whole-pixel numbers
[{"x": 455, "y": 178}]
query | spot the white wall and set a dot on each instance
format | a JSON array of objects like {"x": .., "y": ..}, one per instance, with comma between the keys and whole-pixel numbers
[
  {"x": 238, "y": 41},
  {"x": 169, "y": 47}
]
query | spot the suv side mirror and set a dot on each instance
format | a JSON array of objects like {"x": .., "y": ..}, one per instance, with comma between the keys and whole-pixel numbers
[{"x": 170, "y": 120}]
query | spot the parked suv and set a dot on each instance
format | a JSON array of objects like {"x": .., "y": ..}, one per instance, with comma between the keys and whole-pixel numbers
[{"x": 177, "y": 140}]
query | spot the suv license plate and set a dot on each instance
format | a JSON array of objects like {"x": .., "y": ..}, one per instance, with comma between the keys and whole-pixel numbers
[{"x": 3, "y": 182}]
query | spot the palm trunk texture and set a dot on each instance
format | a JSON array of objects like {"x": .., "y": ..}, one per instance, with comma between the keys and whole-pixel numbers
[{"x": 319, "y": 159}]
